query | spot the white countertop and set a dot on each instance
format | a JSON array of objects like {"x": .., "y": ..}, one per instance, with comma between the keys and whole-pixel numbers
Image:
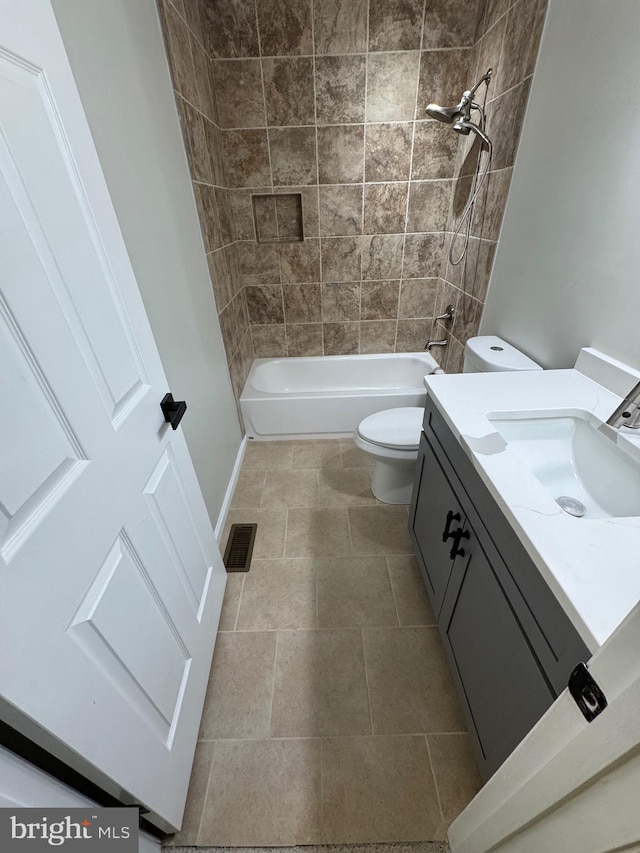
[{"x": 592, "y": 565}]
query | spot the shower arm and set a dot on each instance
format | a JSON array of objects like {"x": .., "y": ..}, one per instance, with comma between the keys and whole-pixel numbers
[{"x": 467, "y": 103}]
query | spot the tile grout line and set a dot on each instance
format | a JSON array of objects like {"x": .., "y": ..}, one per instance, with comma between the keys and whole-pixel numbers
[
  {"x": 321, "y": 803},
  {"x": 393, "y": 593},
  {"x": 364, "y": 185},
  {"x": 206, "y": 792},
  {"x": 315, "y": 126},
  {"x": 366, "y": 681},
  {"x": 235, "y": 624},
  {"x": 348, "y": 53},
  {"x": 435, "y": 781},
  {"x": 381, "y": 736},
  {"x": 273, "y": 686}
]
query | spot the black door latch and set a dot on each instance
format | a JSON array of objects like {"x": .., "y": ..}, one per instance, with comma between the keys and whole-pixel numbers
[
  {"x": 173, "y": 410},
  {"x": 589, "y": 698}
]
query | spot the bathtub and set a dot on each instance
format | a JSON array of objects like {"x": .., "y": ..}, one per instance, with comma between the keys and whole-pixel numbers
[{"x": 328, "y": 396}]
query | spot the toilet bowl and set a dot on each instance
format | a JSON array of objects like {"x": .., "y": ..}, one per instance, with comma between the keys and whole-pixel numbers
[{"x": 392, "y": 436}]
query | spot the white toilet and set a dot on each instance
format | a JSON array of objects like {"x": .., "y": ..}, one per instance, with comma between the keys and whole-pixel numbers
[{"x": 393, "y": 435}]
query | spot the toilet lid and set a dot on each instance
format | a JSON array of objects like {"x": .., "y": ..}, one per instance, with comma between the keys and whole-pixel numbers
[{"x": 399, "y": 428}]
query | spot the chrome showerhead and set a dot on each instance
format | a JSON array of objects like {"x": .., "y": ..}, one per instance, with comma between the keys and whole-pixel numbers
[{"x": 445, "y": 114}]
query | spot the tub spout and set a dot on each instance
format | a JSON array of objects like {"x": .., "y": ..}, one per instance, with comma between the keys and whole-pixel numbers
[{"x": 431, "y": 344}]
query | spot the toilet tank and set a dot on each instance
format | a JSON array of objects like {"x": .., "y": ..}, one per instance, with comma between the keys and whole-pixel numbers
[{"x": 489, "y": 354}]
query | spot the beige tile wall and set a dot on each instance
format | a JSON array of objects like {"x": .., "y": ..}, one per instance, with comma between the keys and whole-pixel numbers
[
  {"x": 508, "y": 40},
  {"x": 326, "y": 98},
  {"x": 323, "y": 98},
  {"x": 191, "y": 31}
]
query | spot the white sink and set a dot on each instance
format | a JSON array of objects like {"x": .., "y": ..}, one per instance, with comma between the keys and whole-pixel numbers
[{"x": 573, "y": 460}]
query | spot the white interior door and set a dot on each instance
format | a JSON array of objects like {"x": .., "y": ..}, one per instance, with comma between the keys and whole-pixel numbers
[
  {"x": 111, "y": 581},
  {"x": 570, "y": 786}
]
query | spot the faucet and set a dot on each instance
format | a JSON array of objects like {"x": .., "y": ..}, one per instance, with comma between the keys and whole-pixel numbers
[
  {"x": 443, "y": 343},
  {"x": 628, "y": 412}
]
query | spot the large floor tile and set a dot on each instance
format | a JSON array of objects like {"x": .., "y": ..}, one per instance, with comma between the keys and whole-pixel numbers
[
  {"x": 353, "y": 457},
  {"x": 297, "y": 487},
  {"x": 456, "y": 773},
  {"x": 412, "y": 601},
  {"x": 317, "y": 454},
  {"x": 319, "y": 686},
  {"x": 266, "y": 455},
  {"x": 345, "y": 487},
  {"x": 278, "y": 594},
  {"x": 263, "y": 793},
  {"x": 410, "y": 687},
  {"x": 354, "y": 592},
  {"x": 321, "y": 532},
  {"x": 377, "y": 789},
  {"x": 231, "y": 601},
  {"x": 270, "y": 536},
  {"x": 248, "y": 490},
  {"x": 238, "y": 701},
  {"x": 188, "y": 834},
  {"x": 379, "y": 530}
]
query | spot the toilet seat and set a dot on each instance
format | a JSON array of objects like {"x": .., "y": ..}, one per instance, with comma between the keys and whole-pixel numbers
[{"x": 396, "y": 429}]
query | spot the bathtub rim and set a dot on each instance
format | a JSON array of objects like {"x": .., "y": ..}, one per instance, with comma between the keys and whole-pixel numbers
[{"x": 250, "y": 392}]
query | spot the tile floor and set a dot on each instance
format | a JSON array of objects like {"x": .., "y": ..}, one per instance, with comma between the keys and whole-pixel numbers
[{"x": 330, "y": 715}]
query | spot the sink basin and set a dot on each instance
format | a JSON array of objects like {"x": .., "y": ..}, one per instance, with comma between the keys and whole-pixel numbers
[{"x": 573, "y": 460}]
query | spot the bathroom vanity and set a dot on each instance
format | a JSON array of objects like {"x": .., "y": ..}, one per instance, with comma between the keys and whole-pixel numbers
[
  {"x": 510, "y": 645},
  {"x": 521, "y": 590}
]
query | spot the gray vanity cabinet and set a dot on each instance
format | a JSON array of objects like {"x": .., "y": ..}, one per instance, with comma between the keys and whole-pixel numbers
[
  {"x": 437, "y": 514},
  {"x": 510, "y": 645}
]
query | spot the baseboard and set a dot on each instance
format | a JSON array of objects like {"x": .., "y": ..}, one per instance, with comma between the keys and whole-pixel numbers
[{"x": 228, "y": 495}]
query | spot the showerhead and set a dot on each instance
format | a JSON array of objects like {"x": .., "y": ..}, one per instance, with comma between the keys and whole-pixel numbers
[{"x": 445, "y": 114}]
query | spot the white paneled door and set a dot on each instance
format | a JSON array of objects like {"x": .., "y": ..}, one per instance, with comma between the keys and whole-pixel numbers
[{"x": 110, "y": 578}]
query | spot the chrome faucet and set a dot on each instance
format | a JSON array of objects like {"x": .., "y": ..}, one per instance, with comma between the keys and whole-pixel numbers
[
  {"x": 628, "y": 412},
  {"x": 431, "y": 344}
]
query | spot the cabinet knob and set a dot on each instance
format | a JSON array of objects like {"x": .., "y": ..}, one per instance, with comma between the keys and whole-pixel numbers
[
  {"x": 456, "y": 550},
  {"x": 451, "y": 516}
]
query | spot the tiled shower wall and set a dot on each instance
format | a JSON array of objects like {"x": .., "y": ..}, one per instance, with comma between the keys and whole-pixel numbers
[
  {"x": 326, "y": 99},
  {"x": 508, "y": 41},
  {"x": 189, "y": 29}
]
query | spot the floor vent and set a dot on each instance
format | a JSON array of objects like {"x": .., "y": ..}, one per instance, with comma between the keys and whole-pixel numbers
[{"x": 237, "y": 554}]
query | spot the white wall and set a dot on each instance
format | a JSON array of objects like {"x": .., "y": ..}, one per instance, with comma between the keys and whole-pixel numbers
[
  {"x": 117, "y": 55},
  {"x": 567, "y": 269}
]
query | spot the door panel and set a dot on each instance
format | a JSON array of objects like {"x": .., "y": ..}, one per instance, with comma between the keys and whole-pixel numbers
[
  {"x": 123, "y": 616},
  {"x": 434, "y": 500},
  {"x": 504, "y": 685},
  {"x": 168, "y": 504},
  {"x": 111, "y": 579},
  {"x": 60, "y": 226}
]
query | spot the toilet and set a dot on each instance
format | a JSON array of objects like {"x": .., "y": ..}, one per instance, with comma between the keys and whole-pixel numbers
[{"x": 392, "y": 436}]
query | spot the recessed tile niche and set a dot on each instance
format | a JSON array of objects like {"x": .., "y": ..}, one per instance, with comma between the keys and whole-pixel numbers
[{"x": 278, "y": 218}]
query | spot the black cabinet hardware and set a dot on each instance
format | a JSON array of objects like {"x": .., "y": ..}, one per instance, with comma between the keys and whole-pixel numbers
[
  {"x": 173, "y": 410},
  {"x": 451, "y": 516},
  {"x": 587, "y": 693},
  {"x": 456, "y": 550}
]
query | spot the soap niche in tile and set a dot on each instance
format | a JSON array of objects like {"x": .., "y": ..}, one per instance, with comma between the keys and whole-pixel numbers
[{"x": 278, "y": 218}]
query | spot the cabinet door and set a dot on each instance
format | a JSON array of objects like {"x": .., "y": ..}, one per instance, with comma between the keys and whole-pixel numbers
[
  {"x": 435, "y": 512},
  {"x": 499, "y": 677}
]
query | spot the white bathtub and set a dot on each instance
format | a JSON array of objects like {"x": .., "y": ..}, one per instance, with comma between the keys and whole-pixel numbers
[{"x": 328, "y": 396}]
